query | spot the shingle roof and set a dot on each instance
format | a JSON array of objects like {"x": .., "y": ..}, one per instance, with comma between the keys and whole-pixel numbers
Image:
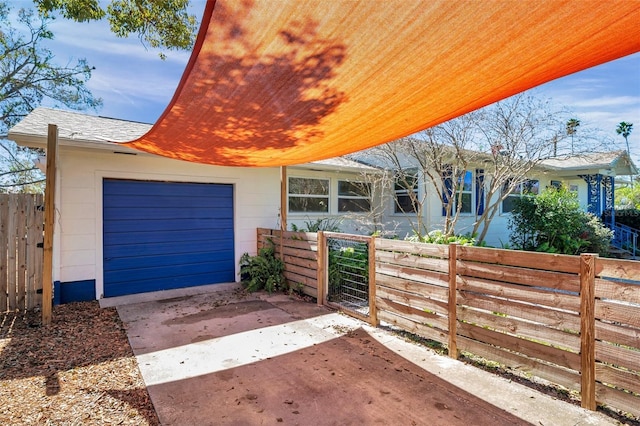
[
  {"x": 89, "y": 130},
  {"x": 618, "y": 160},
  {"x": 95, "y": 130},
  {"x": 341, "y": 163},
  {"x": 77, "y": 126}
]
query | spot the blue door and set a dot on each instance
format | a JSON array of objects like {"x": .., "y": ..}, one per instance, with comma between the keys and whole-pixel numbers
[{"x": 164, "y": 235}]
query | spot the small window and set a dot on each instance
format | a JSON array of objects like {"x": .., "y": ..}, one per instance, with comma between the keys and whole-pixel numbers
[
  {"x": 354, "y": 197},
  {"x": 307, "y": 195},
  {"x": 465, "y": 186},
  {"x": 528, "y": 187},
  {"x": 556, "y": 184},
  {"x": 406, "y": 191}
]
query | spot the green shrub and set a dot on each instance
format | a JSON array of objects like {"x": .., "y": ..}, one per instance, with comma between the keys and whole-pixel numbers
[
  {"x": 554, "y": 222},
  {"x": 264, "y": 271},
  {"x": 628, "y": 197},
  {"x": 597, "y": 235},
  {"x": 346, "y": 263},
  {"x": 438, "y": 237},
  {"x": 323, "y": 224}
]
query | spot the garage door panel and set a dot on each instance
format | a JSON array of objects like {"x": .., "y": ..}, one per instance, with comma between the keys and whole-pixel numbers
[
  {"x": 155, "y": 225},
  {"x": 167, "y": 213},
  {"x": 143, "y": 286},
  {"x": 130, "y": 263},
  {"x": 118, "y": 201},
  {"x": 166, "y": 189},
  {"x": 164, "y": 272},
  {"x": 133, "y": 237},
  {"x": 178, "y": 247},
  {"x": 162, "y": 235}
]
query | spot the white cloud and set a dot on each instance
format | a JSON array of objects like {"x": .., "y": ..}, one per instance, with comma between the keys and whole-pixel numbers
[
  {"x": 617, "y": 102},
  {"x": 89, "y": 39}
]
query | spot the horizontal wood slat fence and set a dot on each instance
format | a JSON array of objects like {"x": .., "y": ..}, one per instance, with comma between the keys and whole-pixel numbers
[
  {"x": 21, "y": 231},
  {"x": 300, "y": 255},
  {"x": 571, "y": 320}
]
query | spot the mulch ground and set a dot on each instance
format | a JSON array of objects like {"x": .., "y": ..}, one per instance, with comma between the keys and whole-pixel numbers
[{"x": 78, "y": 370}]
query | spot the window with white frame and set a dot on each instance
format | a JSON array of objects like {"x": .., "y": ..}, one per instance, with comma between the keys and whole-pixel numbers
[
  {"x": 406, "y": 191},
  {"x": 354, "y": 197},
  {"x": 465, "y": 193},
  {"x": 530, "y": 186},
  {"x": 308, "y": 195}
]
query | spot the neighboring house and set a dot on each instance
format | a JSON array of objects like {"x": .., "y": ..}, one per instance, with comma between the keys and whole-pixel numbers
[{"x": 130, "y": 222}]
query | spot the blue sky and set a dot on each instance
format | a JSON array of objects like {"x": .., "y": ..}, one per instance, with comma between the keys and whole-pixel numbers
[{"x": 136, "y": 85}]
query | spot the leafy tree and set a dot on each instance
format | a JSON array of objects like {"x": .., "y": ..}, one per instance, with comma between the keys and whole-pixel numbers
[
  {"x": 503, "y": 143},
  {"x": 628, "y": 197},
  {"x": 625, "y": 129},
  {"x": 164, "y": 24},
  {"x": 28, "y": 75},
  {"x": 554, "y": 222},
  {"x": 17, "y": 172}
]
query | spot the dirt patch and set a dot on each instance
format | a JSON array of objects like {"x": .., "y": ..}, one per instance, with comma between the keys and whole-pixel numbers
[
  {"x": 223, "y": 311},
  {"x": 79, "y": 370}
]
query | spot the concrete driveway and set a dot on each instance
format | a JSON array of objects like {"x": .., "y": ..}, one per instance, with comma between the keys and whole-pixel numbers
[{"x": 217, "y": 356}]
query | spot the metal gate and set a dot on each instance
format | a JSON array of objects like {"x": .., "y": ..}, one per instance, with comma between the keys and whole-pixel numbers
[{"x": 350, "y": 274}]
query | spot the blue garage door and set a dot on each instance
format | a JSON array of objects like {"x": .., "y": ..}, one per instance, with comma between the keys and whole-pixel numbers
[{"x": 164, "y": 235}]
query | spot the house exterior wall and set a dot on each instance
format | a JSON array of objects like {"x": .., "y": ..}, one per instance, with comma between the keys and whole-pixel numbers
[
  {"x": 78, "y": 239},
  {"x": 354, "y": 223},
  {"x": 79, "y": 204},
  {"x": 498, "y": 235}
]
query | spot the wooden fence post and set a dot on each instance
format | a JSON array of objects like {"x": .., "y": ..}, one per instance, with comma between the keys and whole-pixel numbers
[
  {"x": 12, "y": 274},
  {"x": 4, "y": 241},
  {"x": 587, "y": 331},
  {"x": 49, "y": 217},
  {"x": 258, "y": 240},
  {"x": 283, "y": 207},
  {"x": 453, "y": 320},
  {"x": 322, "y": 255},
  {"x": 373, "y": 313}
]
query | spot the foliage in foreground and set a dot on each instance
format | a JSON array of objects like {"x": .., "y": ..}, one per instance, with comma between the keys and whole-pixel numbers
[
  {"x": 327, "y": 224},
  {"x": 439, "y": 237},
  {"x": 264, "y": 271},
  {"x": 554, "y": 222}
]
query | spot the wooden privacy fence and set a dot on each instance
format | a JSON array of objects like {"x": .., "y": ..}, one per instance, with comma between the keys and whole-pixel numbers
[
  {"x": 300, "y": 254},
  {"x": 21, "y": 227},
  {"x": 571, "y": 320}
]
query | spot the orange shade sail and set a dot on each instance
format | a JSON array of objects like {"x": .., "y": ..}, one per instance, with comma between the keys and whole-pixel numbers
[{"x": 281, "y": 82}]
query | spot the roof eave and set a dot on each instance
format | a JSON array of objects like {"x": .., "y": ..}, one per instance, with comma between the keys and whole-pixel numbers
[{"x": 38, "y": 141}]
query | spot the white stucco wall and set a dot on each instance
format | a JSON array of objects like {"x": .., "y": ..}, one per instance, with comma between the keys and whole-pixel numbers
[{"x": 79, "y": 219}]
